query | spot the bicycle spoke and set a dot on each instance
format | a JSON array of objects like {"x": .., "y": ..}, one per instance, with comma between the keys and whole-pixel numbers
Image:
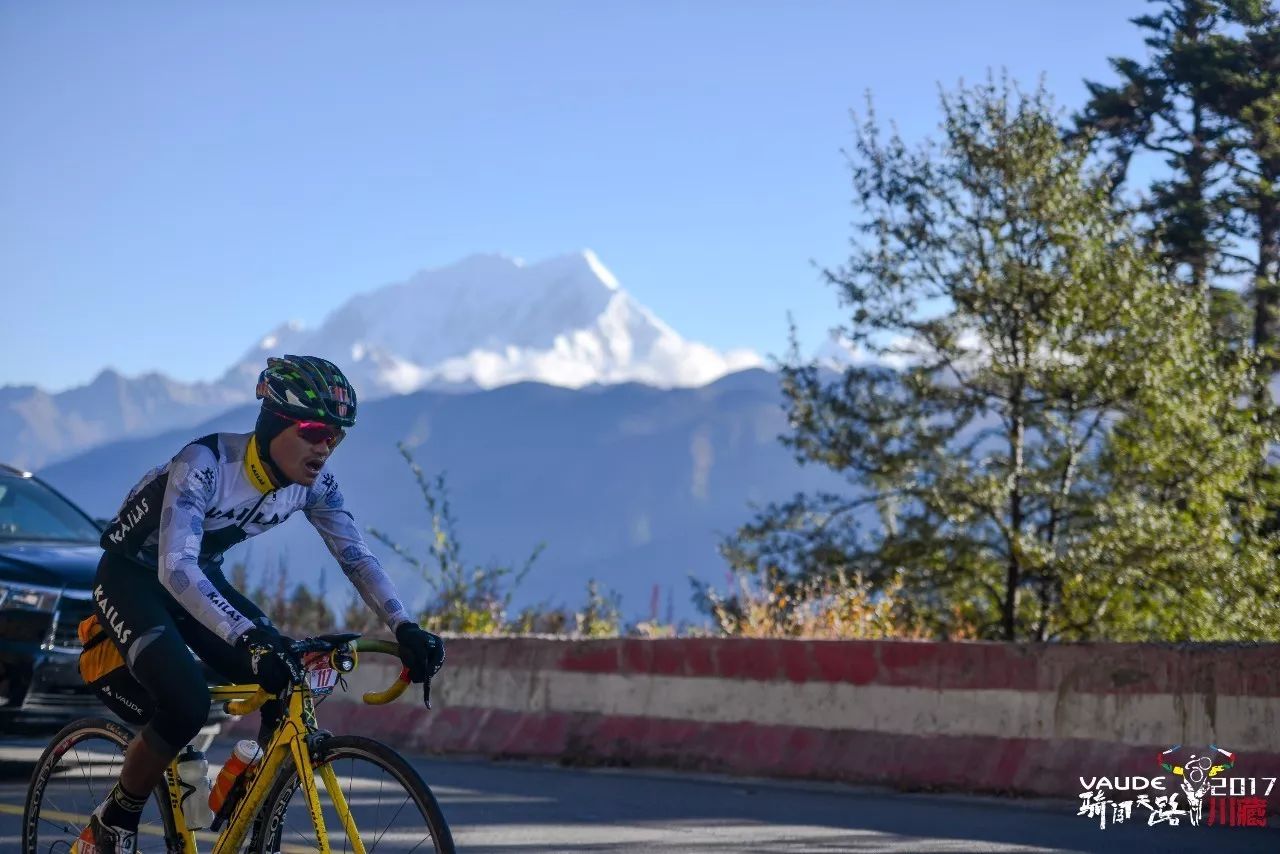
[
  {"x": 307, "y": 842},
  {"x": 64, "y": 828},
  {"x": 56, "y": 808},
  {"x": 377, "y": 810},
  {"x": 389, "y": 824},
  {"x": 84, "y": 776},
  {"x": 75, "y": 781}
]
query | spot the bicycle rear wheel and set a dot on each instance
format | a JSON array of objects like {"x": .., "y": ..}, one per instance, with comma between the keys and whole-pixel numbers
[
  {"x": 76, "y": 773},
  {"x": 393, "y": 809}
]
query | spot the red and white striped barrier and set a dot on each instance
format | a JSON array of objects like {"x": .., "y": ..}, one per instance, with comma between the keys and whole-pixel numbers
[{"x": 967, "y": 716}]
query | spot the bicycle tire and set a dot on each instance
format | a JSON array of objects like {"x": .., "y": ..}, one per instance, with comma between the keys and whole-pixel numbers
[
  {"x": 67, "y": 738},
  {"x": 334, "y": 749}
]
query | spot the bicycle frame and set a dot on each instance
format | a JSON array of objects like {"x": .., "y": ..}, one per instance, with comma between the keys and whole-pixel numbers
[{"x": 289, "y": 741}]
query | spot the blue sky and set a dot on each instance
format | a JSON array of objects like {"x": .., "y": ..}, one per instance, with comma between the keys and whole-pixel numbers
[{"x": 178, "y": 178}]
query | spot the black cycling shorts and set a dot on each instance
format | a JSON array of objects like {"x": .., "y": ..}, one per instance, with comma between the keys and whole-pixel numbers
[{"x": 165, "y": 686}]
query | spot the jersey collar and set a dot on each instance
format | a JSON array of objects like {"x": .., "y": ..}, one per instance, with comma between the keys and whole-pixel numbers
[{"x": 255, "y": 470}]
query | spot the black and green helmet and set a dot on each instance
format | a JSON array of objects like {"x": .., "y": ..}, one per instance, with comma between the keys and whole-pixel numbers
[{"x": 307, "y": 388}]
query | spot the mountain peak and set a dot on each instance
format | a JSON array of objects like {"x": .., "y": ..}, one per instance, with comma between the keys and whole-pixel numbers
[
  {"x": 273, "y": 339},
  {"x": 106, "y": 377},
  {"x": 601, "y": 271},
  {"x": 584, "y": 264},
  {"x": 480, "y": 262},
  {"x": 492, "y": 319}
]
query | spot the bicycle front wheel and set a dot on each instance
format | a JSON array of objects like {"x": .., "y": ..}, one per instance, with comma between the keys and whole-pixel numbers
[
  {"x": 75, "y": 773},
  {"x": 390, "y": 807}
]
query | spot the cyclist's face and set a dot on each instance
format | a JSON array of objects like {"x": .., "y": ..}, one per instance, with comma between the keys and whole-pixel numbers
[{"x": 299, "y": 459}]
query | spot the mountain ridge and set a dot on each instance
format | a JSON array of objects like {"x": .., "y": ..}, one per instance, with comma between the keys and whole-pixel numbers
[
  {"x": 482, "y": 322},
  {"x": 628, "y": 484}
]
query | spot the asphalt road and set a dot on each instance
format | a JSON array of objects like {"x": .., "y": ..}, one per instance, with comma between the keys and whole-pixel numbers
[{"x": 518, "y": 807}]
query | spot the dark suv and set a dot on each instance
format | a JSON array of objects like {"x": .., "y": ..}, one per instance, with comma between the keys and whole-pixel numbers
[{"x": 48, "y": 555}]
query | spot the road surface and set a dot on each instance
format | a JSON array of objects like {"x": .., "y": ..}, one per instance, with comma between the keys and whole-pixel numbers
[{"x": 509, "y": 807}]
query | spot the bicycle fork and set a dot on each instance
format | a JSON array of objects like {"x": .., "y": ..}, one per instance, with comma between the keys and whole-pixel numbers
[{"x": 290, "y": 742}]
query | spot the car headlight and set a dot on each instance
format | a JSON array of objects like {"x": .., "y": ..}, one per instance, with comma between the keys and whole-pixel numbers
[{"x": 20, "y": 597}]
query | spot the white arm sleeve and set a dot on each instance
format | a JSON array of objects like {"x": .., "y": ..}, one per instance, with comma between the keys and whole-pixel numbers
[{"x": 338, "y": 529}]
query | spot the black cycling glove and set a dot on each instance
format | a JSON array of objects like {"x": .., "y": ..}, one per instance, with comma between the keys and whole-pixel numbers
[
  {"x": 421, "y": 652},
  {"x": 273, "y": 662}
]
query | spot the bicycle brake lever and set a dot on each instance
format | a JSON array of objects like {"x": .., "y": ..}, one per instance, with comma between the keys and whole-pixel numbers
[{"x": 426, "y": 692}]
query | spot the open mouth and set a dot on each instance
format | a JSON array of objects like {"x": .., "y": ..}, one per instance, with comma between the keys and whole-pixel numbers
[{"x": 314, "y": 466}]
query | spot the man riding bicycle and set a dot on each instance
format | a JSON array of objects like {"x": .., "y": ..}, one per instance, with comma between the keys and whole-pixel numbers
[{"x": 160, "y": 587}]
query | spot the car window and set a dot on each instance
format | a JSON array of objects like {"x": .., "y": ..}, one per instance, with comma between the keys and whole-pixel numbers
[{"x": 30, "y": 510}]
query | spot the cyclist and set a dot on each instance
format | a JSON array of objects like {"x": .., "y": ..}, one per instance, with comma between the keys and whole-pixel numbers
[{"x": 160, "y": 587}]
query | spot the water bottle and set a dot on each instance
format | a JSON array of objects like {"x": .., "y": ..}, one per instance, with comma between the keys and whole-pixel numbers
[
  {"x": 193, "y": 771},
  {"x": 244, "y": 754}
]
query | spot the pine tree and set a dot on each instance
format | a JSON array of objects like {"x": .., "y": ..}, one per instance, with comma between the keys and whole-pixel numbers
[
  {"x": 1025, "y": 430},
  {"x": 1166, "y": 107},
  {"x": 1247, "y": 95}
]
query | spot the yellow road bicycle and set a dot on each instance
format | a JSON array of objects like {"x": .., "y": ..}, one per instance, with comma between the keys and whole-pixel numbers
[{"x": 367, "y": 793}]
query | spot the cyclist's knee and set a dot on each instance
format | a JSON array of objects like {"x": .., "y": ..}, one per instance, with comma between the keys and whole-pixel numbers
[
  {"x": 178, "y": 719},
  {"x": 176, "y": 682}
]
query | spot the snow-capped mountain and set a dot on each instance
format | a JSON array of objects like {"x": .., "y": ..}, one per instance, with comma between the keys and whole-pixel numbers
[
  {"x": 491, "y": 320},
  {"x": 483, "y": 322}
]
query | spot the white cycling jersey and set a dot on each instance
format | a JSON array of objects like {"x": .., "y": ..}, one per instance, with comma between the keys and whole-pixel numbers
[{"x": 216, "y": 492}]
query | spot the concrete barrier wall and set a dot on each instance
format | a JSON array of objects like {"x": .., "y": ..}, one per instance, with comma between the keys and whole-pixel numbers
[{"x": 917, "y": 715}]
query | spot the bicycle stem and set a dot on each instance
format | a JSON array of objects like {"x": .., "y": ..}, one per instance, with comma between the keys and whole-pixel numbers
[{"x": 374, "y": 698}]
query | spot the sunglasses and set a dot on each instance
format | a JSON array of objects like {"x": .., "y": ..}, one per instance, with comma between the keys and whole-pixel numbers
[{"x": 315, "y": 432}]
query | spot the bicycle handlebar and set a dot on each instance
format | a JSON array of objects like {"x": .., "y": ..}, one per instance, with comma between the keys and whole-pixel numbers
[
  {"x": 396, "y": 688},
  {"x": 374, "y": 698}
]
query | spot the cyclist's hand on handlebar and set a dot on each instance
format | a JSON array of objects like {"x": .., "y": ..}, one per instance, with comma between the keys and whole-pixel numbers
[
  {"x": 271, "y": 657},
  {"x": 422, "y": 653}
]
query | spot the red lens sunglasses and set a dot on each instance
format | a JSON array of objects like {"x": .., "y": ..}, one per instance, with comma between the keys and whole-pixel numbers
[{"x": 315, "y": 432}]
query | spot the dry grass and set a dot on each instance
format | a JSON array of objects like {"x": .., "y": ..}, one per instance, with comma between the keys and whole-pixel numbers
[{"x": 843, "y": 607}]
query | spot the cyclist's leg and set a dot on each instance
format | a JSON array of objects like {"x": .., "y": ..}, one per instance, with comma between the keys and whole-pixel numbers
[
  {"x": 131, "y": 603},
  {"x": 138, "y": 611},
  {"x": 230, "y": 661}
]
